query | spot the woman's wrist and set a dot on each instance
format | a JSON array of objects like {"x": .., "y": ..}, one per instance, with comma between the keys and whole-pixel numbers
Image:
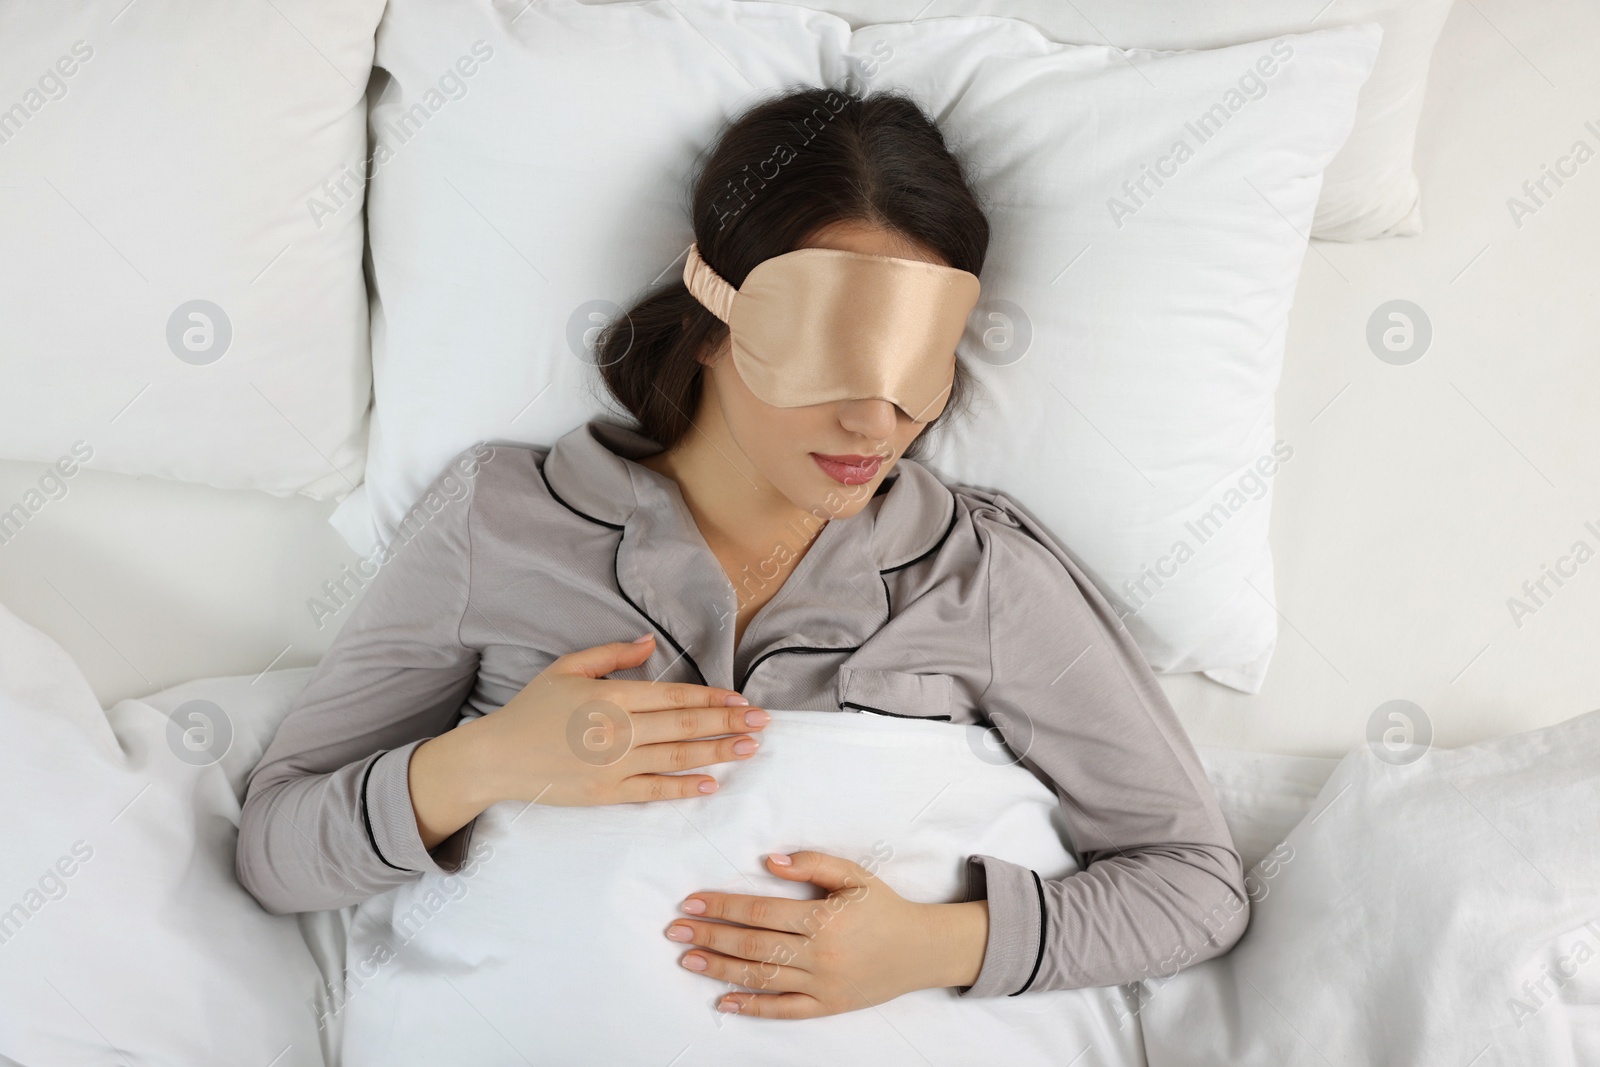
[
  {"x": 961, "y": 939},
  {"x": 450, "y": 781}
]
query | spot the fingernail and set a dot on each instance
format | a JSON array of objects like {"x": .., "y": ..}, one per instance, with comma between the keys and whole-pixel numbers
[
  {"x": 734, "y": 700},
  {"x": 694, "y": 906},
  {"x": 756, "y": 718},
  {"x": 779, "y": 858},
  {"x": 695, "y": 963},
  {"x": 745, "y": 745},
  {"x": 679, "y": 933},
  {"x": 708, "y": 786},
  {"x": 728, "y": 1005},
  {"x": 641, "y": 640}
]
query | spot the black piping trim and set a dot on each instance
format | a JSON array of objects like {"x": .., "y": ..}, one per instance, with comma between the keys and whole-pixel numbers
[
  {"x": 896, "y": 714},
  {"x": 791, "y": 648},
  {"x": 624, "y": 594},
  {"x": 366, "y": 819},
  {"x": 1044, "y": 924},
  {"x": 954, "y": 511},
  {"x": 569, "y": 507}
]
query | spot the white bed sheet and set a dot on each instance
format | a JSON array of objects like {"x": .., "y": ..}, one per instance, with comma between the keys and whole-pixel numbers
[{"x": 1419, "y": 498}]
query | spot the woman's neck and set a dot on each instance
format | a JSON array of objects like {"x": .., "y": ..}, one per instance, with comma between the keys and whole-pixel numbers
[{"x": 740, "y": 514}]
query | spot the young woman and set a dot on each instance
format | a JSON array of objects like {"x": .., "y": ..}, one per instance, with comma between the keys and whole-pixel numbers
[{"x": 765, "y": 525}]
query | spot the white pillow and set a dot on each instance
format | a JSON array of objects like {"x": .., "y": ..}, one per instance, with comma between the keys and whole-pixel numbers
[
  {"x": 1443, "y": 910},
  {"x": 1370, "y": 189},
  {"x": 502, "y": 232},
  {"x": 154, "y": 156},
  {"x": 123, "y": 930},
  {"x": 550, "y": 939}
]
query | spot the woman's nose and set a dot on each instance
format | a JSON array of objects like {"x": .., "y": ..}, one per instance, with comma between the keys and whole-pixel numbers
[{"x": 873, "y": 417}]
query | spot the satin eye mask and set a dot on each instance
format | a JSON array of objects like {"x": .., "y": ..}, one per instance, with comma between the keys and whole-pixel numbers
[{"x": 821, "y": 324}]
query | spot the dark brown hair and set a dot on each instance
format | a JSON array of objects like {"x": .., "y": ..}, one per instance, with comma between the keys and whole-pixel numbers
[{"x": 778, "y": 173}]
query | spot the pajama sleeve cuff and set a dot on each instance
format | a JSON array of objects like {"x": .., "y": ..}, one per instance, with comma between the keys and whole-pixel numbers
[
  {"x": 391, "y": 821},
  {"x": 1016, "y": 925}
]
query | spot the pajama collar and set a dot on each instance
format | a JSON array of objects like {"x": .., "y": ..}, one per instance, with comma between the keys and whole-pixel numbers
[{"x": 836, "y": 598}]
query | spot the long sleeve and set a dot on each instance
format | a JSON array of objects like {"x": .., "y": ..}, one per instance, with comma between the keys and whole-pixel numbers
[
  {"x": 327, "y": 818},
  {"x": 1162, "y": 884}
]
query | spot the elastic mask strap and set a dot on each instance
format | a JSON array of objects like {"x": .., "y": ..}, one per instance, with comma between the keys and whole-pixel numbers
[{"x": 707, "y": 286}]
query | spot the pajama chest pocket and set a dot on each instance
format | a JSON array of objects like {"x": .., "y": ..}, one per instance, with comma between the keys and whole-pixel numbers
[{"x": 898, "y": 693}]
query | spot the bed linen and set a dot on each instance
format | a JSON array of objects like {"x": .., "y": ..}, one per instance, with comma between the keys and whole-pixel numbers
[
  {"x": 122, "y": 928},
  {"x": 1375, "y": 842},
  {"x": 1436, "y": 907},
  {"x": 1490, "y": 116}
]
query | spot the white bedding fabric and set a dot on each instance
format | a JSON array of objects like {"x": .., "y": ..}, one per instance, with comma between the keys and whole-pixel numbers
[
  {"x": 122, "y": 926},
  {"x": 1443, "y": 912},
  {"x": 1419, "y": 910},
  {"x": 550, "y": 938}
]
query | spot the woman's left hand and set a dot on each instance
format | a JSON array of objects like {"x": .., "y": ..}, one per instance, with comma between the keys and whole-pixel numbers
[{"x": 862, "y": 944}]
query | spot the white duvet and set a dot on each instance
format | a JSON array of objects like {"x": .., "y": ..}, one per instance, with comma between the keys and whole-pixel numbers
[{"x": 551, "y": 950}]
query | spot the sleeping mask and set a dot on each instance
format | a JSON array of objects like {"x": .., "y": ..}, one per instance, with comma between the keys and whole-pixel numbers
[{"x": 822, "y": 324}]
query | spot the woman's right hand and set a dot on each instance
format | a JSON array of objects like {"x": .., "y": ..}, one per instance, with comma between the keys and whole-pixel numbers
[{"x": 573, "y": 737}]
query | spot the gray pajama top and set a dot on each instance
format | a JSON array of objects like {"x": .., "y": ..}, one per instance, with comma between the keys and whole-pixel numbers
[{"x": 934, "y": 601}]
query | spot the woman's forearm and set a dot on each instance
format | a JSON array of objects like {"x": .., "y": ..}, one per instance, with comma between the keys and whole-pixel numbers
[{"x": 449, "y": 780}]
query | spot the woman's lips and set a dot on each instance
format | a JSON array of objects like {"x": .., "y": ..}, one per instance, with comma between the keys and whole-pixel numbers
[{"x": 848, "y": 470}]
